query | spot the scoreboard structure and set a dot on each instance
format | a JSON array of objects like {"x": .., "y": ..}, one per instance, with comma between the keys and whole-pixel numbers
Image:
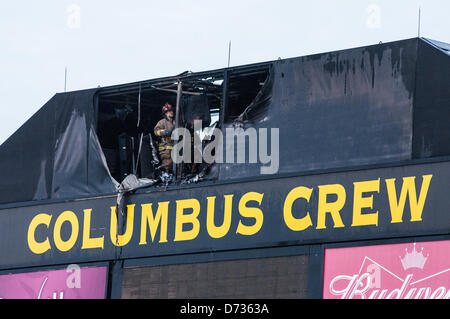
[{"x": 358, "y": 208}]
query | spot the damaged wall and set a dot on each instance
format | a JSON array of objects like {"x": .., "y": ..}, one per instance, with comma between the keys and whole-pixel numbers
[
  {"x": 55, "y": 154},
  {"x": 333, "y": 110},
  {"x": 340, "y": 109}
]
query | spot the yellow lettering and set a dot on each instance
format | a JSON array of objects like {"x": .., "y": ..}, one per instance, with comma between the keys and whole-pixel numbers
[
  {"x": 154, "y": 222},
  {"x": 360, "y": 202},
  {"x": 70, "y": 217},
  {"x": 297, "y": 224},
  {"x": 221, "y": 231},
  {"x": 182, "y": 219},
  {"x": 89, "y": 242},
  {"x": 332, "y": 208},
  {"x": 250, "y": 212},
  {"x": 408, "y": 189},
  {"x": 122, "y": 240},
  {"x": 35, "y": 247}
]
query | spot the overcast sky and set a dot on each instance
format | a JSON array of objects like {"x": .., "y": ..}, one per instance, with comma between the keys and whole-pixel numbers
[{"x": 107, "y": 42}]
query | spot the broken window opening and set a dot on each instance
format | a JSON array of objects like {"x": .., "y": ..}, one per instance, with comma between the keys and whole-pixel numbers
[
  {"x": 243, "y": 92},
  {"x": 127, "y": 115}
]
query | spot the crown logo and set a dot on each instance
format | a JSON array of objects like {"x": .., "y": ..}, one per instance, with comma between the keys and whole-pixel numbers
[{"x": 413, "y": 259}]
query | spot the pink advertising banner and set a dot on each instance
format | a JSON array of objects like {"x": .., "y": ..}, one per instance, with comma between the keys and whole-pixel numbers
[
  {"x": 401, "y": 271},
  {"x": 72, "y": 282}
]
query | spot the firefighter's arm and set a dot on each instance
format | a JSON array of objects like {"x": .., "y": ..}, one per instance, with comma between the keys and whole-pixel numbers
[{"x": 161, "y": 131}]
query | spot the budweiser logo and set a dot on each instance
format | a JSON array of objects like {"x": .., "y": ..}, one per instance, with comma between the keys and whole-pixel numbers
[
  {"x": 386, "y": 276},
  {"x": 413, "y": 259}
]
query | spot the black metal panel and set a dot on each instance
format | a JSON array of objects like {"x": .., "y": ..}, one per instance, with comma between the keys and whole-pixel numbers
[
  {"x": 262, "y": 278},
  {"x": 26, "y": 163},
  {"x": 432, "y": 103},
  {"x": 341, "y": 109}
]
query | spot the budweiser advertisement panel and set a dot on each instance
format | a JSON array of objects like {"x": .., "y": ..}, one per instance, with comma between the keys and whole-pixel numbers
[
  {"x": 73, "y": 282},
  {"x": 401, "y": 271}
]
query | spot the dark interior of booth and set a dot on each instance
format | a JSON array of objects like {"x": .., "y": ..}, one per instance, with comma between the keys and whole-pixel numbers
[{"x": 126, "y": 116}]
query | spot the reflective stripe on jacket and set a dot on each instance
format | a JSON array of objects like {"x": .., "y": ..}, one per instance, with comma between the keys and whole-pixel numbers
[
  {"x": 165, "y": 148},
  {"x": 160, "y": 130}
]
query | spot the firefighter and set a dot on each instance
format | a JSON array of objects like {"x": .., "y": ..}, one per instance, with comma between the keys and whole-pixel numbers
[{"x": 164, "y": 130}]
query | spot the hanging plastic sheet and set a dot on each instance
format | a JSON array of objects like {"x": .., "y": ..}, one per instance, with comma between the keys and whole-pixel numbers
[
  {"x": 258, "y": 109},
  {"x": 56, "y": 154}
]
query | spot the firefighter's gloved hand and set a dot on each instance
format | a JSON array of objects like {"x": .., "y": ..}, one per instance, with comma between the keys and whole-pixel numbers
[{"x": 168, "y": 133}]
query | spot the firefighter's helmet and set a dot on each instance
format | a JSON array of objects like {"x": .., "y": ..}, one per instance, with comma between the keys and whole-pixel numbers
[{"x": 167, "y": 107}]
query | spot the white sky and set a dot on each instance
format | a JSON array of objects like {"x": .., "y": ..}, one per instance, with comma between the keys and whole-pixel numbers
[{"x": 108, "y": 42}]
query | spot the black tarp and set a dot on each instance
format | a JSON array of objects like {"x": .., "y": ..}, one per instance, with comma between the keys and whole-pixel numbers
[
  {"x": 377, "y": 104},
  {"x": 55, "y": 154},
  {"x": 357, "y": 107}
]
